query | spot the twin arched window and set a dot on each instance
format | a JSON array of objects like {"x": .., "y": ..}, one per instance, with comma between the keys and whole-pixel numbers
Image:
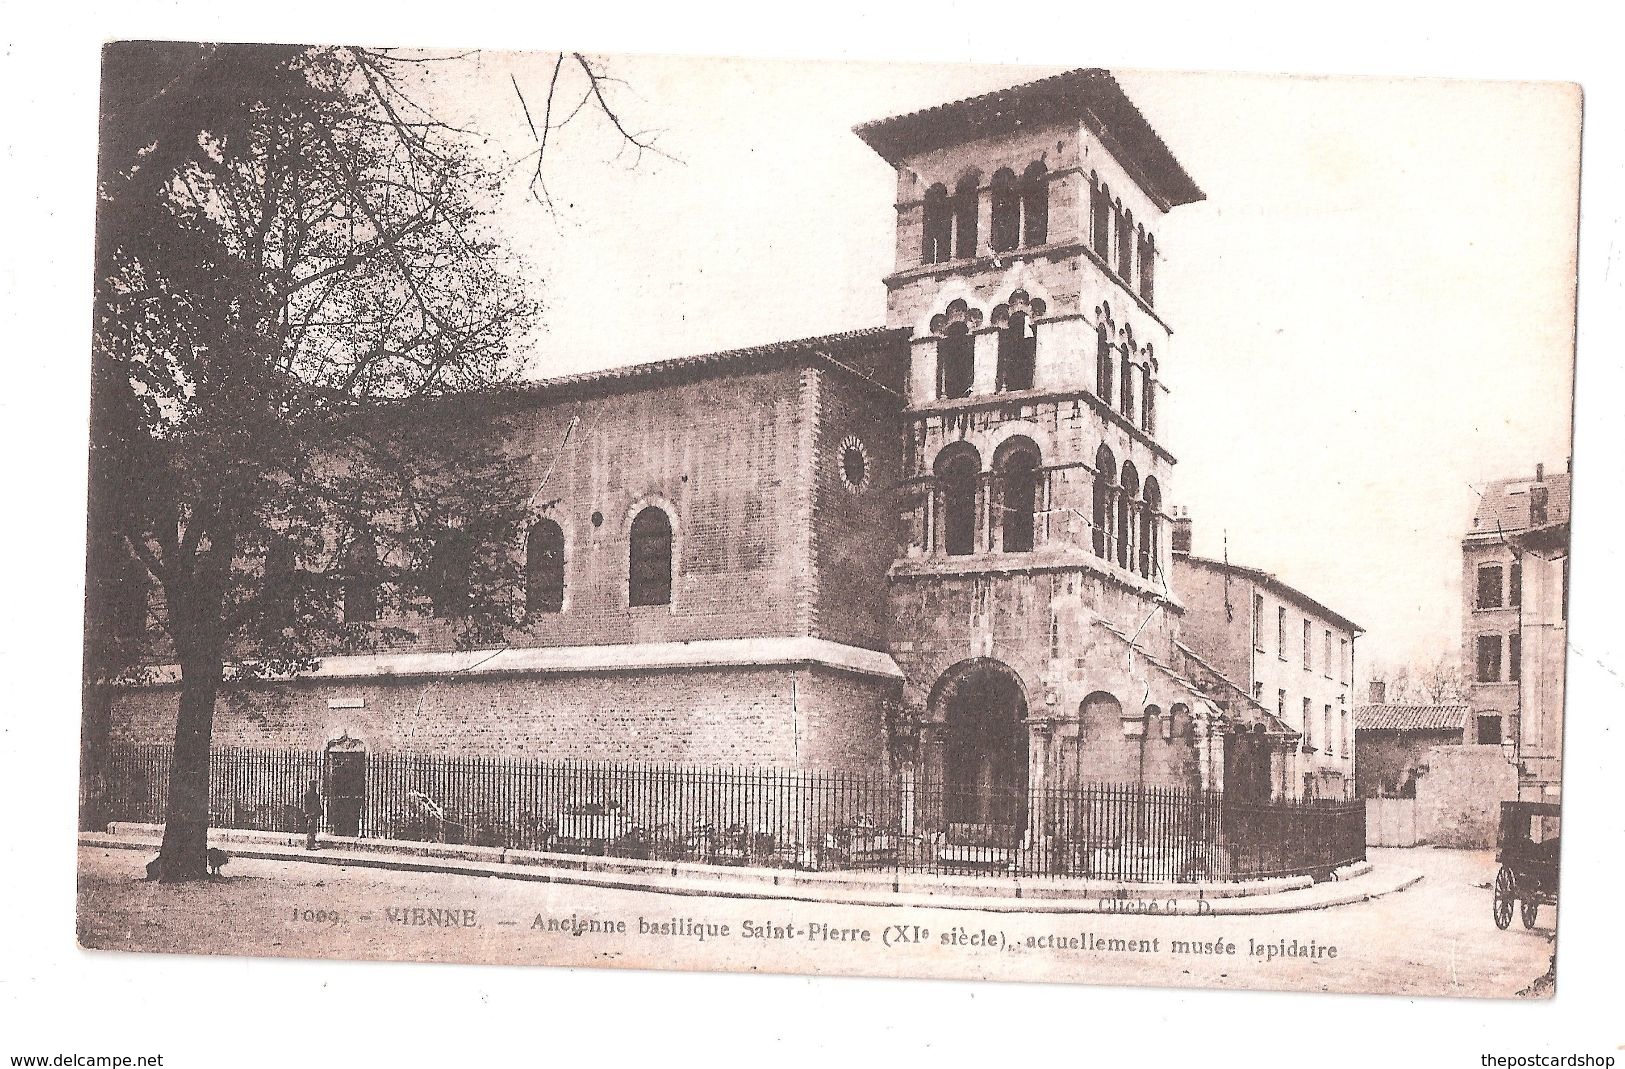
[
  {"x": 937, "y": 239},
  {"x": 1015, "y": 487},
  {"x": 650, "y": 558},
  {"x": 1020, "y": 206},
  {"x": 1119, "y": 243}
]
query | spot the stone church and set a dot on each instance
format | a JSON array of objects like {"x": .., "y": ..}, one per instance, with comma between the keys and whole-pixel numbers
[{"x": 934, "y": 548}]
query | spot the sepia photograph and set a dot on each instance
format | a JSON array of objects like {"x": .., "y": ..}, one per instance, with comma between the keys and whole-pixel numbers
[
  {"x": 980, "y": 637},
  {"x": 561, "y": 545}
]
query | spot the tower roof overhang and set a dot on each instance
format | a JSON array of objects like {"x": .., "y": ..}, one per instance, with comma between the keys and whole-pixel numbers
[{"x": 1088, "y": 96}]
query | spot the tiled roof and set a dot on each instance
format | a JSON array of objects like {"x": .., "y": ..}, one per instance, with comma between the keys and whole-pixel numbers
[
  {"x": 837, "y": 348},
  {"x": 1503, "y": 505},
  {"x": 1090, "y": 95},
  {"x": 1399, "y": 716},
  {"x": 1271, "y": 580}
]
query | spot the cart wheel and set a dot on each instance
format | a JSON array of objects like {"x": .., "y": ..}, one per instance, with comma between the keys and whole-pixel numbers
[
  {"x": 1506, "y": 892},
  {"x": 1530, "y": 910}
]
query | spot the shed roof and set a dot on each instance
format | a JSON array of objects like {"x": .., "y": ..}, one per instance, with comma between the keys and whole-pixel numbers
[{"x": 1503, "y": 505}]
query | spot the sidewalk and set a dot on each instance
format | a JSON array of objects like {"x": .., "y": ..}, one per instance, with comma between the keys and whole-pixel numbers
[{"x": 1355, "y": 883}]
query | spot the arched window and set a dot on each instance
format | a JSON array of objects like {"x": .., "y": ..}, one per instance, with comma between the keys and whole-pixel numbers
[
  {"x": 1034, "y": 205},
  {"x": 964, "y": 209},
  {"x": 544, "y": 567},
  {"x": 1148, "y": 261},
  {"x": 1127, "y": 507},
  {"x": 934, "y": 226},
  {"x": 957, "y": 473},
  {"x": 1017, "y": 466},
  {"x": 1006, "y": 211},
  {"x": 1148, "y": 394},
  {"x": 449, "y": 564},
  {"x": 1105, "y": 480},
  {"x": 1018, "y": 352},
  {"x": 1126, "y": 387},
  {"x": 956, "y": 361},
  {"x": 360, "y": 590},
  {"x": 1151, "y": 529},
  {"x": 1103, "y": 364},
  {"x": 1125, "y": 244},
  {"x": 649, "y": 574},
  {"x": 1100, "y": 219}
]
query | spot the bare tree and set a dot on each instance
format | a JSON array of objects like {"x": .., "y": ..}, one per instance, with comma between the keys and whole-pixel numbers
[{"x": 304, "y": 329}]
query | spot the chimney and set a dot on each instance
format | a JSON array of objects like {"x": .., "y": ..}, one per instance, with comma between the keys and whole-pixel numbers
[
  {"x": 1181, "y": 542},
  {"x": 1540, "y": 473},
  {"x": 1379, "y": 692}
]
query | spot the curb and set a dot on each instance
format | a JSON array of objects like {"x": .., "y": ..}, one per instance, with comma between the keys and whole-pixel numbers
[{"x": 738, "y": 883}]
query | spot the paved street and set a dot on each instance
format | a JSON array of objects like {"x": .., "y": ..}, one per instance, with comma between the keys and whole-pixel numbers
[{"x": 1433, "y": 939}]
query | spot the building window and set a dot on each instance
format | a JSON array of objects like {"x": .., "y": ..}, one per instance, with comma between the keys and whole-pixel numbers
[
  {"x": 1258, "y": 693},
  {"x": 1103, "y": 364},
  {"x": 1514, "y": 657},
  {"x": 544, "y": 567},
  {"x": 1515, "y": 584},
  {"x": 1489, "y": 586},
  {"x": 935, "y": 247},
  {"x": 1105, "y": 482},
  {"x": 1343, "y": 658},
  {"x": 1148, "y": 398},
  {"x": 1308, "y": 727},
  {"x": 1280, "y": 633},
  {"x": 1258, "y": 622},
  {"x": 1348, "y": 744},
  {"x": 1489, "y": 659},
  {"x": 956, "y": 361},
  {"x": 1034, "y": 205},
  {"x": 1148, "y": 259},
  {"x": 1489, "y": 729},
  {"x": 1006, "y": 211},
  {"x": 957, "y": 474},
  {"x": 1308, "y": 630},
  {"x": 1327, "y": 663},
  {"x": 1017, "y": 468},
  {"x": 449, "y": 566},
  {"x": 1125, "y": 245},
  {"x": 1280, "y": 705},
  {"x": 360, "y": 589},
  {"x": 1018, "y": 353},
  {"x": 1128, "y": 489},
  {"x": 1100, "y": 220},
  {"x": 964, "y": 209},
  {"x": 1151, "y": 529},
  {"x": 1331, "y": 740},
  {"x": 649, "y": 574},
  {"x": 1126, "y": 384}
]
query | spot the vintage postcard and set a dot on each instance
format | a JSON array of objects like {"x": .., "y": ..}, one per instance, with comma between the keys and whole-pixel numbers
[{"x": 1031, "y": 524}]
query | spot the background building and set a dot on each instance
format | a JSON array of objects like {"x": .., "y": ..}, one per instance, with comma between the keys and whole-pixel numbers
[
  {"x": 1294, "y": 654},
  {"x": 1392, "y": 740}
]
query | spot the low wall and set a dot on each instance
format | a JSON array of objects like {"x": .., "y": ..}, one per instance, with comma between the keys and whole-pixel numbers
[{"x": 1458, "y": 797}]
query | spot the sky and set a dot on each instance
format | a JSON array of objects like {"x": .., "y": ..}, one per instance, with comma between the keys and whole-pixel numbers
[{"x": 1372, "y": 309}]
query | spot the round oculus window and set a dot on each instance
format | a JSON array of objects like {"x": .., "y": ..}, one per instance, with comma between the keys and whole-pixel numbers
[{"x": 854, "y": 461}]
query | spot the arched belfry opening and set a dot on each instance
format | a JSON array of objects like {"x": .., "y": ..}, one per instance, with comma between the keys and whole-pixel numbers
[{"x": 981, "y": 707}]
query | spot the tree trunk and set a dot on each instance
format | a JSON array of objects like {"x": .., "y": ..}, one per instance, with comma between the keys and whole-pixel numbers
[{"x": 186, "y": 816}]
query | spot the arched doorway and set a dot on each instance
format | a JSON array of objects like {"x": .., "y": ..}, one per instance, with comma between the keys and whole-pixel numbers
[{"x": 983, "y": 710}]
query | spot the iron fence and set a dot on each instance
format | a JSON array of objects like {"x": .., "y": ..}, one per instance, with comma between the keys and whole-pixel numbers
[{"x": 742, "y": 815}]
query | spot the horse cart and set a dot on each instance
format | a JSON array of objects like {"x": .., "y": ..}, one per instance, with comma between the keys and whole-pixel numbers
[{"x": 1526, "y": 848}]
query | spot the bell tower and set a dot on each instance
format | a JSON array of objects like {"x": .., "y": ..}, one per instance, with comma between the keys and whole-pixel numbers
[
  {"x": 1030, "y": 599},
  {"x": 1027, "y": 251}
]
